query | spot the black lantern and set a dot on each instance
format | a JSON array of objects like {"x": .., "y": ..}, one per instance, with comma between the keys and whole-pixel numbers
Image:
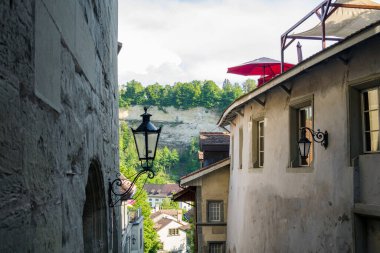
[
  {"x": 304, "y": 143},
  {"x": 146, "y": 139}
]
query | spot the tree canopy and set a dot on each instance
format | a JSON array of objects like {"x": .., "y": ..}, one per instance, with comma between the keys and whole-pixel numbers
[{"x": 184, "y": 95}]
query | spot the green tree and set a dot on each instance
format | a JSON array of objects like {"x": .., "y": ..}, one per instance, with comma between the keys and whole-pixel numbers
[
  {"x": 154, "y": 94},
  {"x": 249, "y": 85},
  {"x": 186, "y": 95},
  {"x": 167, "y": 203},
  {"x": 210, "y": 95},
  {"x": 134, "y": 93}
]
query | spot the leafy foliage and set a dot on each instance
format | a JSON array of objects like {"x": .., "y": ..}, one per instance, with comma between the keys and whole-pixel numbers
[
  {"x": 184, "y": 95},
  {"x": 169, "y": 204}
]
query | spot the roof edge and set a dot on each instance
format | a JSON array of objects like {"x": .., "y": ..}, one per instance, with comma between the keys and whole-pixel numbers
[{"x": 312, "y": 61}]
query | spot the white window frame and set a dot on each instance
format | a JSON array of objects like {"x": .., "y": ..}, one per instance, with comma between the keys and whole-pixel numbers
[
  {"x": 214, "y": 211},
  {"x": 219, "y": 247},
  {"x": 241, "y": 140},
  {"x": 363, "y": 119},
  {"x": 260, "y": 135}
]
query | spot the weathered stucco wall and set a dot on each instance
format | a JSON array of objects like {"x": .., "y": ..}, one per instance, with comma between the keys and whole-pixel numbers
[
  {"x": 214, "y": 187},
  {"x": 179, "y": 126},
  {"x": 281, "y": 209},
  {"x": 58, "y": 113}
]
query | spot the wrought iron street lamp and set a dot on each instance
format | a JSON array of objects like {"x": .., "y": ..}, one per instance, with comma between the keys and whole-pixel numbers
[
  {"x": 146, "y": 137},
  {"x": 304, "y": 143}
]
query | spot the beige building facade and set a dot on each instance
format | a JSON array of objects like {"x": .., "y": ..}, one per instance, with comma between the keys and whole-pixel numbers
[
  {"x": 329, "y": 202},
  {"x": 210, "y": 187}
]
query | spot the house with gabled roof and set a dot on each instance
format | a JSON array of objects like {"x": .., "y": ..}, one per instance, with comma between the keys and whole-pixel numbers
[
  {"x": 171, "y": 229},
  {"x": 208, "y": 189},
  {"x": 158, "y": 192},
  {"x": 325, "y": 198}
]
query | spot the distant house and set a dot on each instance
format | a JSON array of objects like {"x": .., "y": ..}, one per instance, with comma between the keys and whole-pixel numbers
[
  {"x": 172, "y": 214},
  {"x": 158, "y": 192},
  {"x": 171, "y": 230},
  {"x": 213, "y": 147},
  {"x": 208, "y": 189}
]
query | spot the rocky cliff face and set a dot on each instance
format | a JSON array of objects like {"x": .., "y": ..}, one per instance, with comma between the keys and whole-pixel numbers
[{"x": 179, "y": 126}]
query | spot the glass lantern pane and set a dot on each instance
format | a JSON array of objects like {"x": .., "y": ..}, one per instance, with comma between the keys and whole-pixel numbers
[
  {"x": 152, "y": 142},
  {"x": 140, "y": 144}
]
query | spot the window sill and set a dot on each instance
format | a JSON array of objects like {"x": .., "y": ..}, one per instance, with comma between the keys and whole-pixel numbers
[
  {"x": 301, "y": 169},
  {"x": 256, "y": 169}
]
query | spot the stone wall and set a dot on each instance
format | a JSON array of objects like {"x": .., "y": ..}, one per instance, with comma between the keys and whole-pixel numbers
[{"x": 58, "y": 115}]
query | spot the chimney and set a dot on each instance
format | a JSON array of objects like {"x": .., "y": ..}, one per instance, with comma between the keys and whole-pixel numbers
[
  {"x": 299, "y": 52},
  {"x": 179, "y": 215}
]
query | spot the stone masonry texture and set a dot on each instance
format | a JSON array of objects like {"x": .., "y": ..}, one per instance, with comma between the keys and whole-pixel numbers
[{"x": 58, "y": 114}]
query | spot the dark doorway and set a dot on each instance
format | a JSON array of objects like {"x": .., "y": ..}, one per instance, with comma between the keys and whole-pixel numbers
[
  {"x": 367, "y": 236},
  {"x": 94, "y": 212}
]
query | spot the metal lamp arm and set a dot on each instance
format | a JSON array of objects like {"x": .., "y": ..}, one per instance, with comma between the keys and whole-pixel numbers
[
  {"x": 117, "y": 183},
  {"x": 318, "y": 136}
]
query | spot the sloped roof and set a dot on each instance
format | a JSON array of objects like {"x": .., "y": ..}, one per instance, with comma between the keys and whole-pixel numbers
[
  {"x": 230, "y": 112},
  {"x": 171, "y": 212},
  {"x": 187, "y": 194},
  {"x": 162, "y": 223},
  {"x": 214, "y": 138},
  {"x": 162, "y": 190},
  {"x": 185, "y": 227},
  {"x": 205, "y": 170},
  {"x": 346, "y": 21}
]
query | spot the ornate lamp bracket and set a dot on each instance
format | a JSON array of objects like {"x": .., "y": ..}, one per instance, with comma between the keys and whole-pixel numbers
[
  {"x": 115, "y": 189},
  {"x": 318, "y": 136}
]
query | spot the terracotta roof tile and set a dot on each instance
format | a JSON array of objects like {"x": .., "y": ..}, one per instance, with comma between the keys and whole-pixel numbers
[
  {"x": 214, "y": 138},
  {"x": 162, "y": 223}
]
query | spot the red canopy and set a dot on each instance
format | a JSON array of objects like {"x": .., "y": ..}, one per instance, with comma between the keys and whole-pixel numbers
[{"x": 260, "y": 67}]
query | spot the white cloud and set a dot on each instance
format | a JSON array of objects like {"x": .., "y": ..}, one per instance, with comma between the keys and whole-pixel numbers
[{"x": 177, "y": 40}]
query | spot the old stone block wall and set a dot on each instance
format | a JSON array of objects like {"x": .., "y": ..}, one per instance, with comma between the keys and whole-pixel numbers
[{"x": 58, "y": 114}]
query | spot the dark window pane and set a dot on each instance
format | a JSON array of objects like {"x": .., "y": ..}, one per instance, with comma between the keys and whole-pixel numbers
[
  {"x": 261, "y": 143},
  {"x": 365, "y": 101},
  {"x": 302, "y": 118},
  {"x": 304, "y": 161},
  {"x": 371, "y": 120},
  {"x": 261, "y": 164},
  {"x": 368, "y": 141}
]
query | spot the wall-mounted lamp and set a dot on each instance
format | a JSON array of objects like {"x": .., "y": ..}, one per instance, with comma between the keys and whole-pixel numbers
[
  {"x": 146, "y": 139},
  {"x": 304, "y": 143}
]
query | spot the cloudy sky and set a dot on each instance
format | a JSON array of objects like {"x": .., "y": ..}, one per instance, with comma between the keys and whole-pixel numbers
[{"x": 166, "y": 41}]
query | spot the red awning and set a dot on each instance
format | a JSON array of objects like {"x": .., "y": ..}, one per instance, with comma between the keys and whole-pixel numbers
[{"x": 260, "y": 67}]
